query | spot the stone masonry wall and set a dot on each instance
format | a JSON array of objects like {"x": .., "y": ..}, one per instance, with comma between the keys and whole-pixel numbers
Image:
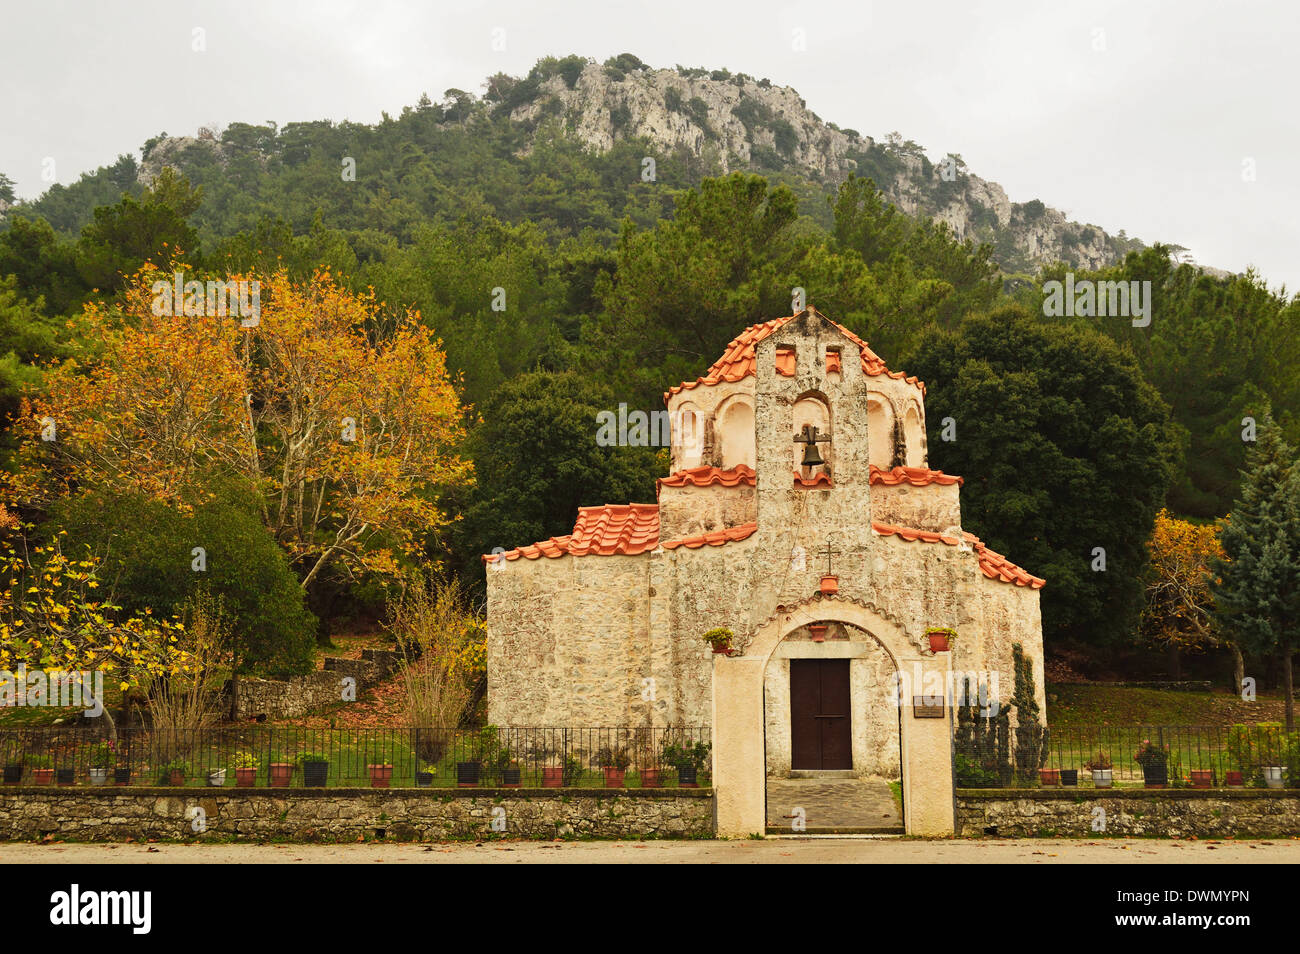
[
  {"x": 109, "y": 814},
  {"x": 1166, "y": 813}
]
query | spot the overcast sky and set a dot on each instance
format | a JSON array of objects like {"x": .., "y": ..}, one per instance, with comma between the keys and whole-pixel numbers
[{"x": 1148, "y": 117}]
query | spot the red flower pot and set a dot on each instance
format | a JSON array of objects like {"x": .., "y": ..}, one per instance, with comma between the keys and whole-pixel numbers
[
  {"x": 818, "y": 631},
  {"x": 830, "y": 585},
  {"x": 939, "y": 642},
  {"x": 380, "y": 775},
  {"x": 42, "y": 776},
  {"x": 1049, "y": 777},
  {"x": 245, "y": 777},
  {"x": 1234, "y": 780},
  {"x": 613, "y": 777},
  {"x": 651, "y": 778},
  {"x": 176, "y": 778},
  {"x": 1202, "y": 778},
  {"x": 281, "y": 773},
  {"x": 552, "y": 776},
  {"x": 721, "y": 649}
]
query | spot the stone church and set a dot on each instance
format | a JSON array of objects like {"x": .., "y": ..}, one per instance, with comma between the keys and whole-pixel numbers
[{"x": 800, "y": 513}]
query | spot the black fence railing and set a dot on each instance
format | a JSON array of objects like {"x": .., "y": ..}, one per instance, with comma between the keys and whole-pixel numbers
[
  {"x": 277, "y": 756},
  {"x": 1261, "y": 756}
]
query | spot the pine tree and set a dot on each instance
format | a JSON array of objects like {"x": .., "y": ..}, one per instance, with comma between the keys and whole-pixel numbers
[
  {"x": 1257, "y": 593},
  {"x": 1031, "y": 734}
]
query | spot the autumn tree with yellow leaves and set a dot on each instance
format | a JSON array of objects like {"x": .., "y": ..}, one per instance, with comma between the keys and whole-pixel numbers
[
  {"x": 1178, "y": 614},
  {"x": 344, "y": 419}
]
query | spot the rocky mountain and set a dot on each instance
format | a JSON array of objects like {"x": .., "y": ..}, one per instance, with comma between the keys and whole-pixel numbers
[{"x": 747, "y": 123}]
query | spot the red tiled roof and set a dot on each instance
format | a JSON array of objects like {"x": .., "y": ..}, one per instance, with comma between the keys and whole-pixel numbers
[
  {"x": 993, "y": 565},
  {"x": 707, "y": 476},
  {"x": 715, "y": 539},
  {"x": 738, "y": 361},
  {"x": 819, "y": 479},
  {"x": 626, "y": 530},
  {"x": 916, "y": 476}
]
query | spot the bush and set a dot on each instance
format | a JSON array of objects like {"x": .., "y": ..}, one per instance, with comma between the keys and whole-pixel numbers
[{"x": 148, "y": 560}]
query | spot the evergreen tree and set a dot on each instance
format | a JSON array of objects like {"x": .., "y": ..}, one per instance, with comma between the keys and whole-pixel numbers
[
  {"x": 1031, "y": 734},
  {"x": 1257, "y": 593}
]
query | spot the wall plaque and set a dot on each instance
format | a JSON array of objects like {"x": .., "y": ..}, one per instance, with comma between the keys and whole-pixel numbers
[{"x": 927, "y": 707}]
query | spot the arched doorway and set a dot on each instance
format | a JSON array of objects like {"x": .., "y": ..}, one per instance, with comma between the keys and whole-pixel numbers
[{"x": 832, "y": 732}]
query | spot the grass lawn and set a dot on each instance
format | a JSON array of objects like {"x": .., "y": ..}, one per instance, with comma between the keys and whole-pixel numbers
[{"x": 1078, "y": 705}]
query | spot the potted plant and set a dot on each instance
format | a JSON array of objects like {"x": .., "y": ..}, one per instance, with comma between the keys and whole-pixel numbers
[
  {"x": 42, "y": 769},
  {"x": 381, "y": 773},
  {"x": 281, "y": 774},
  {"x": 614, "y": 761},
  {"x": 1233, "y": 779},
  {"x": 511, "y": 774},
  {"x": 573, "y": 771},
  {"x": 1103, "y": 774},
  {"x": 13, "y": 773},
  {"x": 720, "y": 638},
  {"x": 216, "y": 777},
  {"x": 424, "y": 779},
  {"x": 245, "y": 763},
  {"x": 102, "y": 759},
  {"x": 647, "y": 766},
  {"x": 1243, "y": 755},
  {"x": 315, "y": 769},
  {"x": 552, "y": 773},
  {"x": 687, "y": 758},
  {"x": 818, "y": 631},
  {"x": 1273, "y": 775},
  {"x": 173, "y": 772},
  {"x": 1154, "y": 760},
  {"x": 65, "y": 776},
  {"x": 830, "y": 584},
  {"x": 1202, "y": 778},
  {"x": 1049, "y": 778},
  {"x": 1070, "y": 777},
  {"x": 940, "y": 637}
]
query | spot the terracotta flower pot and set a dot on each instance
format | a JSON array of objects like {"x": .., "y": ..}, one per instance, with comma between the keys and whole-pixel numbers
[
  {"x": 176, "y": 778},
  {"x": 722, "y": 649},
  {"x": 281, "y": 774},
  {"x": 1202, "y": 778},
  {"x": 1049, "y": 777},
  {"x": 830, "y": 585},
  {"x": 1234, "y": 780},
  {"x": 42, "y": 776},
  {"x": 939, "y": 643},
  {"x": 613, "y": 776},
  {"x": 818, "y": 631},
  {"x": 245, "y": 777},
  {"x": 380, "y": 775},
  {"x": 651, "y": 778},
  {"x": 552, "y": 776}
]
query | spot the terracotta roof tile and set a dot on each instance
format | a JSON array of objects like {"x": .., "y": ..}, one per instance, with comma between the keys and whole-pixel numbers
[
  {"x": 707, "y": 476},
  {"x": 715, "y": 539},
  {"x": 738, "y": 361},
  {"x": 626, "y": 530},
  {"x": 819, "y": 479},
  {"x": 916, "y": 476},
  {"x": 993, "y": 565}
]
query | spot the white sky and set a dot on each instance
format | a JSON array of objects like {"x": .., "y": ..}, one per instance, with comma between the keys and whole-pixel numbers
[{"x": 1133, "y": 115}]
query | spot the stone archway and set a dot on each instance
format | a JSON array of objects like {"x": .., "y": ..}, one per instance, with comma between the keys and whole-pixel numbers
[{"x": 739, "y": 737}]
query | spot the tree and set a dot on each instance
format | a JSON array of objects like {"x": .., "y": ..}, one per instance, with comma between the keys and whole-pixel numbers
[
  {"x": 1258, "y": 588},
  {"x": 342, "y": 417},
  {"x": 1067, "y": 453},
  {"x": 537, "y": 460},
  {"x": 1031, "y": 735},
  {"x": 1179, "y": 610}
]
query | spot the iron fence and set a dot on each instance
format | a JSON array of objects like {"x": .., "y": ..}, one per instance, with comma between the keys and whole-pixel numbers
[
  {"x": 1262, "y": 756},
  {"x": 279, "y": 756}
]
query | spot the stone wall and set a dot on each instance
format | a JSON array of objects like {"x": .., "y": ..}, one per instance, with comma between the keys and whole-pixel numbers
[
  {"x": 1165, "y": 813},
  {"x": 299, "y": 695},
  {"x": 110, "y": 814}
]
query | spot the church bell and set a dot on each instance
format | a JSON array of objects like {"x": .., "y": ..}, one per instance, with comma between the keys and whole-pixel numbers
[{"x": 811, "y": 457}]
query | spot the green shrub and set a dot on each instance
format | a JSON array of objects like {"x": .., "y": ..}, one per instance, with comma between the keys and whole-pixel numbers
[{"x": 149, "y": 564}]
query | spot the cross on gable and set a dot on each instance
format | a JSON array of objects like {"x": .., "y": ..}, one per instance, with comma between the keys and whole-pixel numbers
[{"x": 827, "y": 552}]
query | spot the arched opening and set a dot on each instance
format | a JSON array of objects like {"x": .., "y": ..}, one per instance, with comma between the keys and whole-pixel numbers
[
  {"x": 880, "y": 430},
  {"x": 832, "y": 730},
  {"x": 914, "y": 436},
  {"x": 735, "y": 429},
  {"x": 813, "y": 411},
  {"x": 688, "y": 436}
]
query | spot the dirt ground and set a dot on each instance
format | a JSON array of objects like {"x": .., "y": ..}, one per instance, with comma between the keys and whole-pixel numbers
[{"x": 814, "y": 850}]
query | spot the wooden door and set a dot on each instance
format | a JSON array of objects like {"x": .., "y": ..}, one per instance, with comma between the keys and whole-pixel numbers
[{"x": 820, "y": 721}]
